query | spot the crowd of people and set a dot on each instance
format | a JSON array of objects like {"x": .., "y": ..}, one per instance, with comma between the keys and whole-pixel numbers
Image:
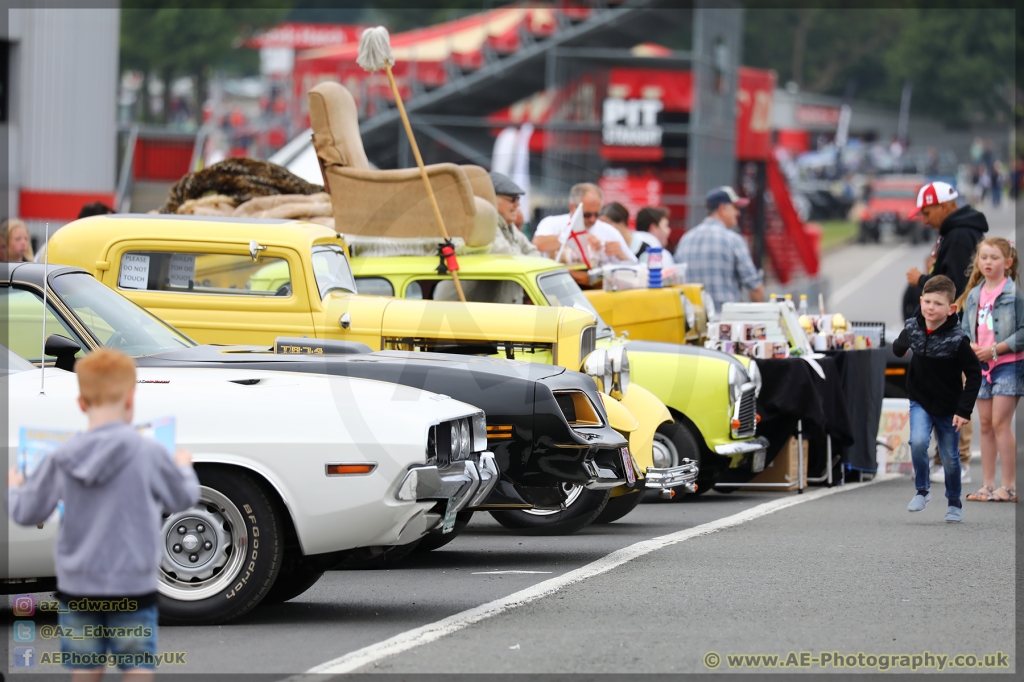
[
  {"x": 985, "y": 307},
  {"x": 965, "y": 318}
]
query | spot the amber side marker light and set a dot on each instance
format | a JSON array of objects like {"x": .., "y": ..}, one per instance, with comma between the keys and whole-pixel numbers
[
  {"x": 350, "y": 468},
  {"x": 895, "y": 371},
  {"x": 499, "y": 432}
]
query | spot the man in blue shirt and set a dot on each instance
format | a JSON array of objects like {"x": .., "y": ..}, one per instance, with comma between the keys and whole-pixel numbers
[{"x": 717, "y": 256}]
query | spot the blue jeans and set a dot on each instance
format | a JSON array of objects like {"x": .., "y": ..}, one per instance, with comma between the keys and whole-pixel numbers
[
  {"x": 921, "y": 425},
  {"x": 95, "y": 639}
]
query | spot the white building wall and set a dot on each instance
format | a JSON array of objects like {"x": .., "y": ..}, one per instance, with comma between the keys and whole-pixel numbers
[{"x": 62, "y": 135}]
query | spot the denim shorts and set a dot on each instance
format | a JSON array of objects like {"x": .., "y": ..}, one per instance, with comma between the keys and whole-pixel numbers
[
  {"x": 95, "y": 639},
  {"x": 1005, "y": 379}
]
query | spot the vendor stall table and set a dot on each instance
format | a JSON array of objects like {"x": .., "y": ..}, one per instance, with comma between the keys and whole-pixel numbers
[
  {"x": 796, "y": 400},
  {"x": 863, "y": 378}
]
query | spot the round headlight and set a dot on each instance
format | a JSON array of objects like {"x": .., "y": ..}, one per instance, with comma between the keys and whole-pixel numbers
[
  {"x": 618, "y": 365},
  {"x": 456, "y": 442},
  {"x": 596, "y": 366},
  {"x": 689, "y": 312},
  {"x": 755, "y": 376},
  {"x": 465, "y": 442},
  {"x": 709, "y": 305}
]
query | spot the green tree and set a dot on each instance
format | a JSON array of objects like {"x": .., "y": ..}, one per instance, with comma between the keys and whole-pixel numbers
[
  {"x": 173, "y": 41},
  {"x": 960, "y": 60}
]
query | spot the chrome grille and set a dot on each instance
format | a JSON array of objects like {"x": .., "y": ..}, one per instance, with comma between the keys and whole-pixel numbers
[
  {"x": 747, "y": 414},
  {"x": 588, "y": 341}
]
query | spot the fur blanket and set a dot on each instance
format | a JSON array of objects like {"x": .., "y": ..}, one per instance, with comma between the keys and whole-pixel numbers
[{"x": 237, "y": 181}]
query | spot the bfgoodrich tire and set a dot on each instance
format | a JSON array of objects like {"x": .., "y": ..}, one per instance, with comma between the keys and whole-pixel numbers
[
  {"x": 582, "y": 507},
  {"x": 222, "y": 556},
  {"x": 618, "y": 507}
]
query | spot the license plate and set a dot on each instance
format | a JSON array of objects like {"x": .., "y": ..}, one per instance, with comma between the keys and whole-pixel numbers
[
  {"x": 627, "y": 464},
  {"x": 758, "y": 464},
  {"x": 449, "y": 517}
]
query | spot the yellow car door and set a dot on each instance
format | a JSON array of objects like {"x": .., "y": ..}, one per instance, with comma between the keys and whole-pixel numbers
[{"x": 215, "y": 292}]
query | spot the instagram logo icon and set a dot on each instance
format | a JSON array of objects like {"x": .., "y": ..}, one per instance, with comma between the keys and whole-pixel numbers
[{"x": 24, "y": 605}]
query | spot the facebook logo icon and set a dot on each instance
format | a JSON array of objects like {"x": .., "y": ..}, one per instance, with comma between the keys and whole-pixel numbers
[{"x": 24, "y": 656}]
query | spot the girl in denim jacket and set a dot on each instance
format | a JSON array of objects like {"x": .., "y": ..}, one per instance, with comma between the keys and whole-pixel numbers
[{"x": 994, "y": 321}]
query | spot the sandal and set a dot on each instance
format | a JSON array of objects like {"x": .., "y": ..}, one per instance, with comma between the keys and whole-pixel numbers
[
  {"x": 985, "y": 494},
  {"x": 1012, "y": 495}
]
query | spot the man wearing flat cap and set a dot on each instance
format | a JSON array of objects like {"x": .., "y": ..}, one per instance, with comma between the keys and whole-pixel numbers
[
  {"x": 716, "y": 255},
  {"x": 509, "y": 239}
]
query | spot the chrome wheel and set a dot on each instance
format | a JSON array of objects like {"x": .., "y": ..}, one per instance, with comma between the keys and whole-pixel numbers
[
  {"x": 572, "y": 493},
  {"x": 665, "y": 454},
  {"x": 204, "y": 548}
]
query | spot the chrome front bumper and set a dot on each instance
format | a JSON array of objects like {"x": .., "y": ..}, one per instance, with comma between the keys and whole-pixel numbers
[
  {"x": 602, "y": 478},
  {"x": 466, "y": 483},
  {"x": 758, "y": 446},
  {"x": 662, "y": 479}
]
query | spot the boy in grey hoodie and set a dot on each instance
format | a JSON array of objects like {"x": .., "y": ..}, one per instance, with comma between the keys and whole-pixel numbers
[{"x": 115, "y": 485}]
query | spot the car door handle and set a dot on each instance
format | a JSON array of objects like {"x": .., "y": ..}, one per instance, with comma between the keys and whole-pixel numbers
[{"x": 346, "y": 320}]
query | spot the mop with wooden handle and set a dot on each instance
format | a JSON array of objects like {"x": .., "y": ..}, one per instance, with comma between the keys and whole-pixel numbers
[{"x": 375, "y": 54}]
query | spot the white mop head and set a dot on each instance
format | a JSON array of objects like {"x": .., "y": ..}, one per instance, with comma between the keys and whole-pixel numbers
[{"x": 375, "y": 49}]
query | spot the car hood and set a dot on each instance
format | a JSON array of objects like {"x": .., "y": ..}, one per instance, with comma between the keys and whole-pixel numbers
[
  {"x": 212, "y": 353},
  {"x": 679, "y": 349}
]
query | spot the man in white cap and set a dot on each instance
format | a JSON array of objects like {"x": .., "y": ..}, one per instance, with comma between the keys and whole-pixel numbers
[
  {"x": 960, "y": 230},
  {"x": 717, "y": 256}
]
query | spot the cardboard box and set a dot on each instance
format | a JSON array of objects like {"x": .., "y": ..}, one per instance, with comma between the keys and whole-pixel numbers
[{"x": 783, "y": 469}]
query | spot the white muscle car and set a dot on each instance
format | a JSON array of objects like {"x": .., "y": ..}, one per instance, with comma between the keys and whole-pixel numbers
[{"x": 295, "y": 471}]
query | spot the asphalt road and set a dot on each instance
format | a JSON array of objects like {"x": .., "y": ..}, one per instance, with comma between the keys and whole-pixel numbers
[{"x": 845, "y": 569}]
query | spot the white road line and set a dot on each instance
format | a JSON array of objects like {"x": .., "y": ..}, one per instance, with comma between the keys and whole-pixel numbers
[
  {"x": 433, "y": 631},
  {"x": 508, "y": 572},
  {"x": 866, "y": 276}
]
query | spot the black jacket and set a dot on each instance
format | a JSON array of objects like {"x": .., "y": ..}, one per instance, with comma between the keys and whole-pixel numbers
[
  {"x": 958, "y": 238},
  {"x": 939, "y": 359}
]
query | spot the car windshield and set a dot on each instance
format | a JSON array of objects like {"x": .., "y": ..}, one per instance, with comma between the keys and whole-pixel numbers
[
  {"x": 114, "y": 320},
  {"x": 561, "y": 289},
  {"x": 332, "y": 271},
  {"x": 15, "y": 363}
]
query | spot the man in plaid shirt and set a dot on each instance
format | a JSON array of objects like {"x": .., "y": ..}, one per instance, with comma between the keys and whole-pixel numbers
[{"x": 718, "y": 257}]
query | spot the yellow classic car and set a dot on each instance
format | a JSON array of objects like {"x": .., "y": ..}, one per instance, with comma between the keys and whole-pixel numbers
[
  {"x": 711, "y": 395},
  {"x": 245, "y": 281}
]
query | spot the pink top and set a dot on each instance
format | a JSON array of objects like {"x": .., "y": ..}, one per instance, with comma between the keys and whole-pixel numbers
[{"x": 986, "y": 333}]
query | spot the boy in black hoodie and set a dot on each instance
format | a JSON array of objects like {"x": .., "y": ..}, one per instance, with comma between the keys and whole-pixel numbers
[{"x": 939, "y": 398}]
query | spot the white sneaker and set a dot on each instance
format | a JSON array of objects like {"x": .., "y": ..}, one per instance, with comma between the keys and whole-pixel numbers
[
  {"x": 938, "y": 474},
  {"x": 965, "y": 473}
]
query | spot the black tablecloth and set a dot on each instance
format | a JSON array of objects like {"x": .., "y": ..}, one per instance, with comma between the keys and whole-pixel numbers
[
  {"x": 863, "y": 378},
  {"x": 793, "y": 391}
]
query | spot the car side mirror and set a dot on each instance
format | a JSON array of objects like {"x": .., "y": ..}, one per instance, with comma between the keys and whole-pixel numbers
[
  {"x": 255, "y": 248},
  {"x": 62, "y": 348}
]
